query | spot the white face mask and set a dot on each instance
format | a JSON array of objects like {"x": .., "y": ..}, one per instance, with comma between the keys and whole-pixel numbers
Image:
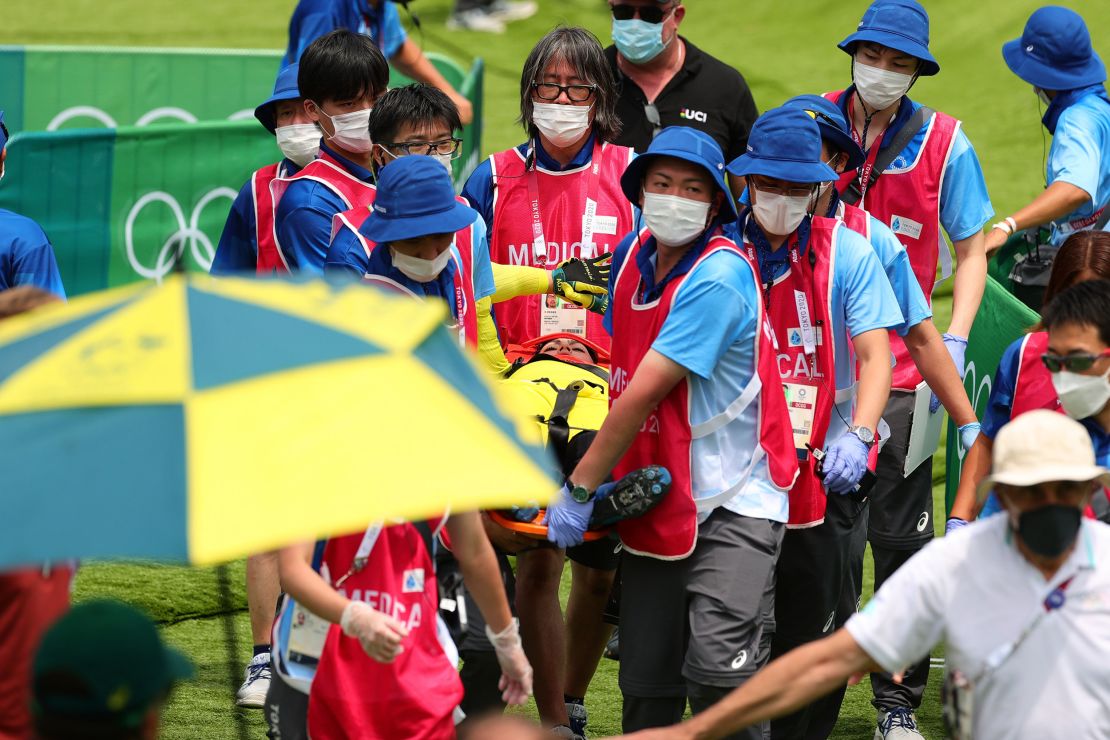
[
  {"x": 780, "y": 214},
  {"x": 879, "y": 88},
  {"x": 674, "y": 221},
  {"x": 1082, "y": 395},
  {"x": 352, "y": 130},
  {"x": 420, "y": 270},
  {"x": 562, "y": 125},
  {"x": 299, "y": 142}
]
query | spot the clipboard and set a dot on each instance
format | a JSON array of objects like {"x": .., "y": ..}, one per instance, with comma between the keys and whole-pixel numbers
[{"x": 924, "y": 430}]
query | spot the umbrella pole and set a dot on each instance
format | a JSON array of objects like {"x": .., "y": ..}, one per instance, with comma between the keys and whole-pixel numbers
[{"x": 231, "y": 642}]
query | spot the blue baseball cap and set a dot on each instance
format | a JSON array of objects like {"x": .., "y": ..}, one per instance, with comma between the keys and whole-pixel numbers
[
  {"x": 784, "y": 143},
  {"x": 1054, "y": 51},
  {"x": 687, "y": 144},
  {"x": 415, "y": 198},
  {"x": 285, "y": 88},
  {"x": 3, "y": 131},
  {"x": 902, "y": 25},
  {"x": 832, "y": 124}
]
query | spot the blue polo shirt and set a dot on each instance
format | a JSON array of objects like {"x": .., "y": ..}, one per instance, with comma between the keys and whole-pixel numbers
[
  {"x": 1080, "y": 156},
  {"x": 347, "y": 259},
  {"x": 26, "y": 256},
  {"x": 237, "y": 251},
  {"x": 314, "y": 18},
  {"x": 303, "y": 219},
  {"x": 965, "y": 206},
  {"x": 711, "y": 330},
  {"x": 1001, "y": 398}
]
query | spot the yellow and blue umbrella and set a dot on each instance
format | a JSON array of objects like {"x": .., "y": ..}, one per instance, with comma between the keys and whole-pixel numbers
[{"x": 201, "y": 420}]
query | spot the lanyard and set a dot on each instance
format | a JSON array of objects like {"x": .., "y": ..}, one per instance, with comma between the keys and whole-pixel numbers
[
  {"x": 589, "y": 210},
  {"x": 870, "y": 156},
  {"x": 362, "y": 555}
]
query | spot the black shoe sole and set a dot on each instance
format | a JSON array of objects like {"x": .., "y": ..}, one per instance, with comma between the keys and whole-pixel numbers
[{"x": 633, "y": 495}]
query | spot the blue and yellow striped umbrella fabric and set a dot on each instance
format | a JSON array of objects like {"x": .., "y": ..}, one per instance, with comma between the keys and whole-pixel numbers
[{"x": 201, "y": 420}]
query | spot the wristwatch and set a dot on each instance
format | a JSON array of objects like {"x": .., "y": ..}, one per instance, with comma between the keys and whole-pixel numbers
[
  {"x": 580, "y": 494},
  {"x": 864, "y": 434}
]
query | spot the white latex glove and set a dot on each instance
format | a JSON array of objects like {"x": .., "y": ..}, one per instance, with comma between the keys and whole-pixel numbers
[
  {"x": 516, "y": 673},
  {"x": 379, "y": 634}
]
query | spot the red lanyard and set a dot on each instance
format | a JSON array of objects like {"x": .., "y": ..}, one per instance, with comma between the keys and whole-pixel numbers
[{"x": 589, "y": 209}]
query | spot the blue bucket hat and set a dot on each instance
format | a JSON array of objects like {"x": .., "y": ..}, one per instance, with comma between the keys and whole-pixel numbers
[
  {"x": 415, "y": 199},
  {"x": 784, "y": 143},
  {"x": 685, "y": 143},
  {"x": 285, "y": 88},
  {"x": 830, "y": 120},
  {"x": 1054, "y": 51},
  {"x": 3, "y": 131},
  {"x": 902, "y": 25}
]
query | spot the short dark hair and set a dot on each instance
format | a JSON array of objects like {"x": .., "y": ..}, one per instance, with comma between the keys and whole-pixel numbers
[
  {"x": 416, "y": 104},
  {"x": 1083, "y": 304},
  {"x": 581, "y": 50},
  {"x": 342, "y": 65}
]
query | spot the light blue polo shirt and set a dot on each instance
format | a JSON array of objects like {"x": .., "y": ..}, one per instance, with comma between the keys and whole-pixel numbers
[
  {"x": 1080, "y": 156},
  {"x": 26, "y": 256}
]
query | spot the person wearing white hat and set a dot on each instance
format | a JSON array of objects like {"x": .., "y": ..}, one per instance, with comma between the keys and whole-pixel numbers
[{"x": 1027, "y": 631}]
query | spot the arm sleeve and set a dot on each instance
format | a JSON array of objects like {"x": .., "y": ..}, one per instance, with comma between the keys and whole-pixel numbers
[
  {"x": 869, "y": 301},
  {"x": 304, "y": 228},
  {"x": 36, "y": 266},
  {"x": 899, "y": 271},
  {"x": 342, "y": 258},
  {"x": 965, "y": 206},
  {"x": 478, "y": 190},
  {"x": 237, "y": 251},
  {"x": 746, "y": 113},
  {"x": 706, "y": 317},
  {"x": 1075, "y": 157},
  {"x": 1001, "y": 401},
  {"x": 489, "y": 347},
  {"x": 313, "y": 26},
  {"x": 484, "y": 285},
  {"x": 513, "y": 281},
  {"x": 620, "y": 254},
  {"x": 905, "y": 619},
  {"x": 393, "y": 33}
]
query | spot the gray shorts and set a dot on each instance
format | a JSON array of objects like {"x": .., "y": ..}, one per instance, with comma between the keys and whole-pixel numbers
[{"x": 706, "y": 619}]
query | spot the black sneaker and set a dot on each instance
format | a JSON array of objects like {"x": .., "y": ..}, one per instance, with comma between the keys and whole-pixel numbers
[
  {"x": 613, "y": 647},
  {"x": 633, "y": 495}
]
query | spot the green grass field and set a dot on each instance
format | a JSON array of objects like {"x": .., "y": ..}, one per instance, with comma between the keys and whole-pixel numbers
[{"x": 783, "y": 48}]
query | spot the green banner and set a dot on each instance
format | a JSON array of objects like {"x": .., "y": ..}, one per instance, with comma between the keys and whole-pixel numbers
[
  {"x": 121, "y": 205},
  {"x": 1002, "y": 318}
]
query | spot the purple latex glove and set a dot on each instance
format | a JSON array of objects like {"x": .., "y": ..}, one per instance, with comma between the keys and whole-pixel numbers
[
  {"x": 845, "y": 463},
  {"x": 969, "y": 433},
  {"x": 957, "y": 347},
  {"x": 567, "y": 520},
  {"x": 952, "y": 525}
]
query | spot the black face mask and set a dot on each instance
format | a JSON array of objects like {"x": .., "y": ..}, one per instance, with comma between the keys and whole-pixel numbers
[{"x": 1049, "y": 530}]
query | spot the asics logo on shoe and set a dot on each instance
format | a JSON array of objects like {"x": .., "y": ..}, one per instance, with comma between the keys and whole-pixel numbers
[
  {"x": 740, "y": 659},
  {"x": 923, "y": 521}
]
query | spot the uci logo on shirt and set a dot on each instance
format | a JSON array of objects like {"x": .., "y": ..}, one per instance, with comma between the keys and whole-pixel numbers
[{"x": 693, "y": 115}]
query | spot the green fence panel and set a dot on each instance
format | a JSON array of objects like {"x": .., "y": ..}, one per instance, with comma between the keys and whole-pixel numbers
[
  {"x": 1002, "y": 318},
  {"x": 127, "y": 204}
]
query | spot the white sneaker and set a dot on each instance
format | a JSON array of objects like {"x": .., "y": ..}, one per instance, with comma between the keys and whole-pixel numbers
[
  {"x": 475, "y": 20},
  {"x": 507, "y": 12},
  {"x": 898, "y": 723},
  {"x": 253, "y": 691}
]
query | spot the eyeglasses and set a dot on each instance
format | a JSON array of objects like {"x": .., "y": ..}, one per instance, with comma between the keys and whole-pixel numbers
[
  {"x": 648, "y": 14},
  {"x": 575, "y": 93},
  {"x": 1076, "y": 363},
  {"x": 794, "y": 192},
  {"x": 443, "y": 148}
]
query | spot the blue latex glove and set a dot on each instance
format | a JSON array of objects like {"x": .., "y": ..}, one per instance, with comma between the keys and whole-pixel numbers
[
  {"x": 845, "y": 463},
  {"x": 956, "y": 347},
  {"x": 952, "y": 525},
  {"x": 567, "y": 520},
  {"x": 969, "y": 433}
]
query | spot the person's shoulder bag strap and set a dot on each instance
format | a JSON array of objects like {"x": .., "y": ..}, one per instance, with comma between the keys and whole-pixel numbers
[{"x": 853, "y": 193}]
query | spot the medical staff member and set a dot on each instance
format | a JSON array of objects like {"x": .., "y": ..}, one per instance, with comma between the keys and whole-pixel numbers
[
  {"x": 26, "y": 256},
  {"x": 928, "y": 178},
  {"x": 341, "y": 75},
  {"x": 557, "y": 195},
  {"x": 1054, "y": 55},
  {"x": 1075, "y": 370},
  {"x": 694, "y": 388},
  {"x": 378, "y": 20},
  {"x": 1024, "y": 631},
  {"x": 830, "y": 307},
  {"x": 247, "y": 242}
]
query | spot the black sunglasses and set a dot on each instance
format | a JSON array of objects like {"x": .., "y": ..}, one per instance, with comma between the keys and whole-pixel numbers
[
  {"x": 1072, "y": 363},
  {"x": 575, "y": 93},
  {"x": 647, "y": 14}
]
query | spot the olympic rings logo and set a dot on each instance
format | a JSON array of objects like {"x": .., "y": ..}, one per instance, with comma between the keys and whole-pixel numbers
[
  {"x": 188, "y": 234},
  {"x": 170, "y": 112}
]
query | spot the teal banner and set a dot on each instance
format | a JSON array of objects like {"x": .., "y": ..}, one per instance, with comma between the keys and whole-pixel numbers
[{"x": 1002, "y": 318}]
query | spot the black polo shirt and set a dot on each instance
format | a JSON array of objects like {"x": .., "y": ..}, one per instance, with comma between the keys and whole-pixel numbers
[{"x": 706, "y": 94}]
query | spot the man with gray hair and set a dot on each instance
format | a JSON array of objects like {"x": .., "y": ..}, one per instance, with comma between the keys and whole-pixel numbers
[{"x": 1026, "y": 629}]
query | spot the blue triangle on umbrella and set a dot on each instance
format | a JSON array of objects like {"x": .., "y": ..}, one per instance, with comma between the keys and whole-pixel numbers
[
  {"x": 234, "y": 340},
  {"x": 14, "y": 356}
]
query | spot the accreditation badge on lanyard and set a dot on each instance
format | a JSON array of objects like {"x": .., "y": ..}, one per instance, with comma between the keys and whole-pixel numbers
[{"x": 556, "y": 314}]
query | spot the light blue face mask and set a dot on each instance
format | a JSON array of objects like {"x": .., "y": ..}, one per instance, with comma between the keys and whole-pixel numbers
[{"x": 638, "y": 41}]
